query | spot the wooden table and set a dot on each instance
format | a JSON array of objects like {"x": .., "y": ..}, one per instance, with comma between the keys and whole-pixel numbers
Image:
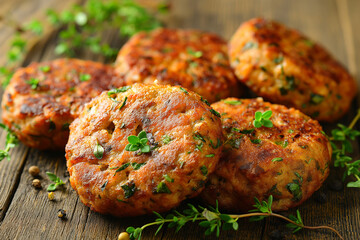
[{"x": 26, "y": 213}]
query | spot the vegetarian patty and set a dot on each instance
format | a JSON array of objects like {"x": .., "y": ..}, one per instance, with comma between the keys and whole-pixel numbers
[
  {"x": 190, "y": 58},
  {"x": 44, "y": 98},
  {"x": 178, "y": 145},
  {"x": 285, "y": 67},
  {"x": 289, "y": 160}
]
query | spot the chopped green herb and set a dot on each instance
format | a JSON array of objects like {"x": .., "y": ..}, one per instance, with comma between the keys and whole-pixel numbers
[
  {"x": 98, "y": 151},
  {"x": 196, "y": 54},
  {"x": 137, "y": 166},
  {"x": 316, "y": 98},
  {"x": 166, "y": 139},
  {"x": 215, "y": 112},
  {"x": 44, "y": 68},
  {"x": 129, "y": 189},
  {"x": 218, "y": 144},
  {"x": 247, "y": 131},
  {"x": 278, "y": 159},
  {"x": 34, "y": 82},
  {"x": 232, "y": 102},
  {"x": 278, "y": 60},
  {"x": 198, "y": 136},
  {"x": 123, "y": 167},
  {"x": 263, "y": 68},
  {"x": 295, "y": 189},
  {"x": 205, "y": 101},
  {"x": 204, "y": 170},
  {"x": 162, "y": 188},
  {"x": 308, "y": 43},
  {"x": 183, "y": 89},
  {"x": 255, "y": 141},
  {"x": 282, "y": 143},
  {"x": 84, "y": 77},
  {"x": 167, "y": 178},
  {"x": 123, "y": 104},
  {"x": 291, "y": 131},
  {"x": 210, "y": 155},
  {"x": 11, "y": 142}
]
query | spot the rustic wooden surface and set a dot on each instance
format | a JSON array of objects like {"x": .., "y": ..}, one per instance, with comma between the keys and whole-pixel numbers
[{"x": 26, "y": 213}]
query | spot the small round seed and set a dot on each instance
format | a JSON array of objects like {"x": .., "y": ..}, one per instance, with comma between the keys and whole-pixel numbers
[
  {"x": 36, "y": 183},
  {"x": 124, "y": 236},
  {"x": 61, "y": 213},
  {"x": 34, "y": 171}
]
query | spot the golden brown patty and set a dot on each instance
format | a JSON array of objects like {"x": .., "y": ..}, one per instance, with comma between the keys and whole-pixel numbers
[
  {"x": 190, "y": 58},
  {"x": 289, "y": 160},
  {"x": 183, "y": 132},
  {"x": 44, "y": 98},
  {"x": 285, "y": 67}
]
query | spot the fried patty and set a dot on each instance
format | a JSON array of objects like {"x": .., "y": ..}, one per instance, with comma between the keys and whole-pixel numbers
[
  {"x": 183, "y": 135},
  {"x": 289, "y": 161},
  {"x": 283, "y": 66},
  {"x": 44, "y": 98},
  {"x": 190, "y": 58}
]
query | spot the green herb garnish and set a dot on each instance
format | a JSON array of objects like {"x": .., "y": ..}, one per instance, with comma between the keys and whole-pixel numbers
[
  {"x": 84, "y": 77},
  {"x": 184, "y": 90},
  {"x": 212, "y": 220},
  {"x": 162, "y": 188},
  {"x": 232, "y": 102},
  {"x": 262, "y": 119},
  {"x": 33, "y": 82},
  {"x": 204, "y": 170},
  {"x": 196, "y": 54},
  {"x": 11, "y": 142},
  {"x": 123, "y": 104},
  {"x": 98, "y": 151},
  {"x": 166, "y": 139},
  {"x": 277, "y": 159},
  {"x": 138, "y": 142},
  {"x": 57, "y": 182},
  {"x": 168, "y": 179},
  {"x": 44, "y": 68},
  {"x": 129, "y": 189}
]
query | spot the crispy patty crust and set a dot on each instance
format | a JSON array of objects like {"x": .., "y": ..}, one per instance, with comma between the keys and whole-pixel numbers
[
  {"x": 44, "y": 98},
  {"x": 190, "y": 58},
  {"x": 289, "y": 160},
  {"x": 285, "y": 67},
  {"x": 184, "y": 136}
]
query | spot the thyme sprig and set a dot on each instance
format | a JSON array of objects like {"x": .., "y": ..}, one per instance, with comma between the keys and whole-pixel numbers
[
  {"x": 214, "y": 221},
  {"x": 340, "y": 140},
  {"x": 57, "y": 182}
]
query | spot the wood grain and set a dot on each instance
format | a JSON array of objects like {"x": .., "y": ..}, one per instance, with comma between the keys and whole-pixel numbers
[{"x": 26, "y": 213}]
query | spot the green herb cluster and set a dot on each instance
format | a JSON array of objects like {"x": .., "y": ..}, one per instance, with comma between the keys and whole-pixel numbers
[
  {"x": 81, "y": 29},
  {"x": 214, "y": 221},
  {"x": 138, "y": 142},
  {"x": 262, "y": 119},
  {"x": 11, "y": 142},
  {"x": 341, "y": 144},
  {"x": 57, "y": 182}
]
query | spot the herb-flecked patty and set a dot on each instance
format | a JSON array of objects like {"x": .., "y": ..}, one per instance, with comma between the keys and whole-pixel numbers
[
  {"x": 289, "y": 160},
  {"x": 283, "y": 66},
  {"x": 190, "y": 58},
  {"x": 44, "y": 98},
  {"x": 179, "y": 144}
]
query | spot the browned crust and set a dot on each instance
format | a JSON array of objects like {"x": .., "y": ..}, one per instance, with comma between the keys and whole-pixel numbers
[
  {"x": 40, "y": 117},
  {"x": 247, "y": 168},
  {"x": 160, "y": 111},
  {"x": 167, "y": 56},
  {"x": 285, "y": 67}
]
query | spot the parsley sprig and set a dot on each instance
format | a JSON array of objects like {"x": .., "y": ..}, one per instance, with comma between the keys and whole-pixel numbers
[
  {"x": 341, "y": 144},
  {"x": 214, "y": 221},
  {"x": 138, "y": 142},
  {"x": 57, "y": 181},
  {"x": 11, "y": 142},
  {"x": 262, "y": 119}
]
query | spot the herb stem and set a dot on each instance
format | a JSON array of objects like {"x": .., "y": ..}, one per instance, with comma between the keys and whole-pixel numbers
[{"x": 356, "y": 118}]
